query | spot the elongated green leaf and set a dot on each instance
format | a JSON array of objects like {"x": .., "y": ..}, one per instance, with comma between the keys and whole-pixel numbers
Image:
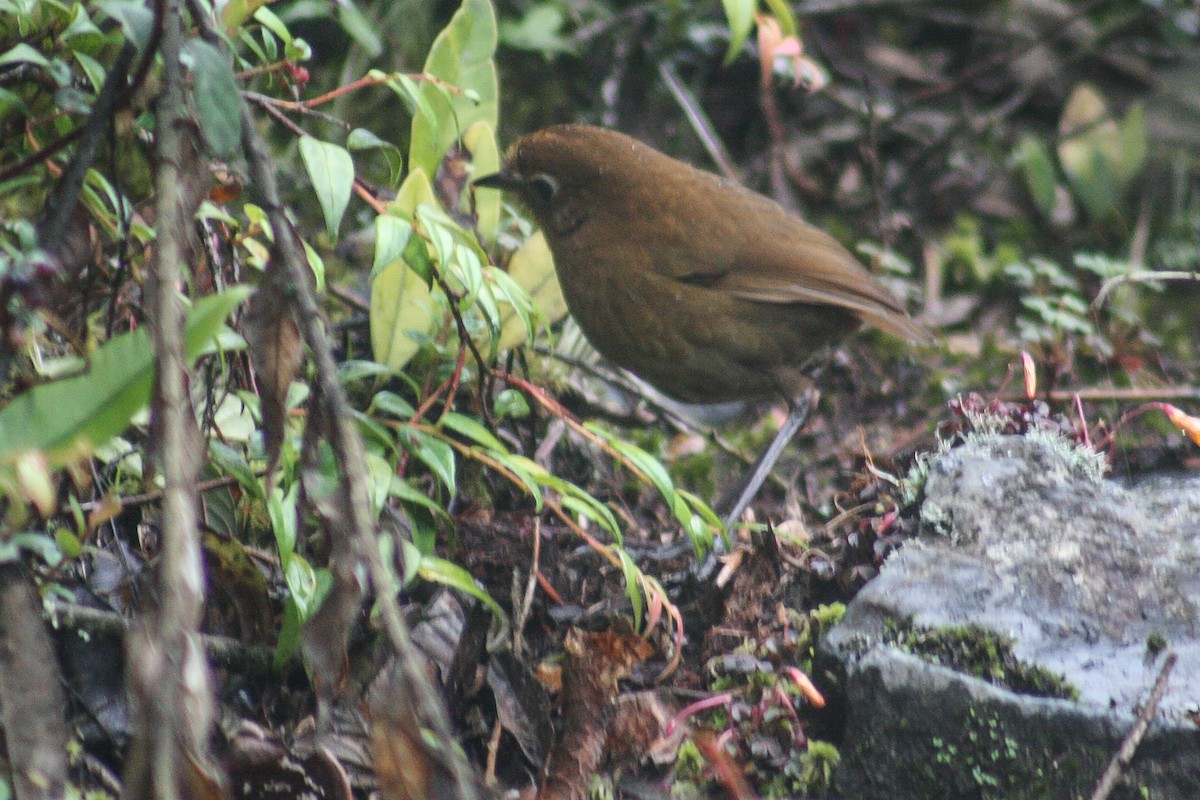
[
  {"x": 66, "y": 417},
  {"x": 579, "y": 501},
  {"x": 461, "y": 55},
  {"x": 444, "y": 572},
  {"x": 236, "y": 12},
  {"x": 406, "y": 493},
  {"x": 233, "y": 463},
  {"x": 740, "y": 14},
  {"x": 281, "y": 507},
  {"x": 269, "y": 21},
  {"x": 783, "y": 15},
  {"x": 331, "y": 170},
  {"x": 473, "y": 430},
  {"x": 215, "y": 95},
  {"x": 356, "y": 370},
  {"x": 23, "y": 53},
  {"x": 410, "y": 93},
  {"x": 402, "y": 313},
  {"x": 434, "y": 453},
  {"x": 394, "y": 404},
  {"x": 517, "y": 468},
  {"x": 1040, "y": 176},
  {"x": 633, "y": 589}
]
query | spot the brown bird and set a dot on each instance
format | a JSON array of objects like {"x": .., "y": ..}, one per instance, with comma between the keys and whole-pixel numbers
[{"x": 706, "y": 290}]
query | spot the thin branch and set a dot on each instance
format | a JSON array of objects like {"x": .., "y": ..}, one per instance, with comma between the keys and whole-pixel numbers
[
  {"x": 252, "y": 660},
  {"x": 61, "y": 202},
  {"x": 701, "y": 124},
  {"x": 170, "y": 684},
  {"x": 1124, "y": 755}
]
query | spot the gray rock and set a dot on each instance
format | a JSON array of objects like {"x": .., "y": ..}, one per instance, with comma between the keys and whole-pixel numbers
[{"x": 1021, "y": 537}]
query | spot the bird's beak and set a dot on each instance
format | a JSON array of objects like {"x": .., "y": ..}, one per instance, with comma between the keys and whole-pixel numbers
[{"x": 499, "y": 180}]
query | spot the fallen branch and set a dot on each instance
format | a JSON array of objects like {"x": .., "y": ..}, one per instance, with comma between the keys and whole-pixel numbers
[{"x": 1124, "y": 755}]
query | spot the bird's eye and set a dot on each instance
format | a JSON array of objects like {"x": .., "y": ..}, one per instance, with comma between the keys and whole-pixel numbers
[{"x": 543, "y": 186}]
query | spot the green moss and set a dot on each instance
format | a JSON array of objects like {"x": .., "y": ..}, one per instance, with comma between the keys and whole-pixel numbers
[{"x": 981, "y": 653}]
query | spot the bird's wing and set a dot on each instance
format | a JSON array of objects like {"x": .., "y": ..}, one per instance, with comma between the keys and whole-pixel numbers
[
  {"x": 788, "y": 261},
  {"x": 799, "y": 263}
]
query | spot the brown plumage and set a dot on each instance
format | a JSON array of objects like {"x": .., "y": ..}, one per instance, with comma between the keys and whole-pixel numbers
[{"x": 705, "y": 289}]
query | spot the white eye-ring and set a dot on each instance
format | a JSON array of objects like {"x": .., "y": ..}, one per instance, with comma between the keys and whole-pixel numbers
[{"x": 543, "y": 186}]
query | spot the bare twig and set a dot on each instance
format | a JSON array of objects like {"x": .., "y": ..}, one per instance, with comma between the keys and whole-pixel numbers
[
  {"x": 1124, "y": 755},
  {"x": 62, "y": 200},
  {"x": 170, "y": 685},
  {"x": 700, "y": 122}
]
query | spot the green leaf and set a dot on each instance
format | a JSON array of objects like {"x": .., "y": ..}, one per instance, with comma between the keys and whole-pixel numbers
[
  {"x": 515, "y": 315},
  {"x": 81, "y": 33},
  {"x": 363, "y": 139},
  {"x": 517, "y": 465},
  {"x": 740, "y": 14},
  {"x": 39, "y": 544},
  {"x": 633, "y": 588},
  {"x": 510, "y": 403},
  {"x": 1040, "y": 176},
  {"x": 289, "y": 633},
  {"x": 539, "y": 31},
  {"x": 408, "y": 494},
  {"x": 579, "y": 501},
  {"x": 410, "y": 93},
  {"x": 281, "y": 507},
  {"x": 461, "y": 55},
  {"x": 642, "y": 461},
  {"x": 415, "y": 192},
  {"x": 403, "y": 313},
  {"x": 783, "y": 15},
  {"x": 23, "y": 53},
  {"x": 433, "y": 453},
  {"x": 316, "y": 264},
  {"x": 446, "y": 573},
  {"x": 233, "y": 463},
  {"x": 356, "y": 370},
  {"x": 391, "y": 239},
  {"x": 217, "y": 99},
  {"x": 472, "y": 429},
  {"x": 92, "y": 68},
  {"x": 11, "y": 101},
  {"x": 236, "y": 12},
  {"x": 274, "y": 24},
  {"x": 66, "y": 417},
  {"x": 394, "y": 404},
  {"x": 136, "y": 19},
  {"x": 361, "y": 29},
  {"x": 331, "y": 170}
]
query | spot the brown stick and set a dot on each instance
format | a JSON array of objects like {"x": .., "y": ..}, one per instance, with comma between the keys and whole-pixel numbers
[{"x": 1124, "y": 755}]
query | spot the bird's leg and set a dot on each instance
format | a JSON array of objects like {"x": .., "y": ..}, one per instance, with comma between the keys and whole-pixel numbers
[{"x": 798, "y": 411}]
